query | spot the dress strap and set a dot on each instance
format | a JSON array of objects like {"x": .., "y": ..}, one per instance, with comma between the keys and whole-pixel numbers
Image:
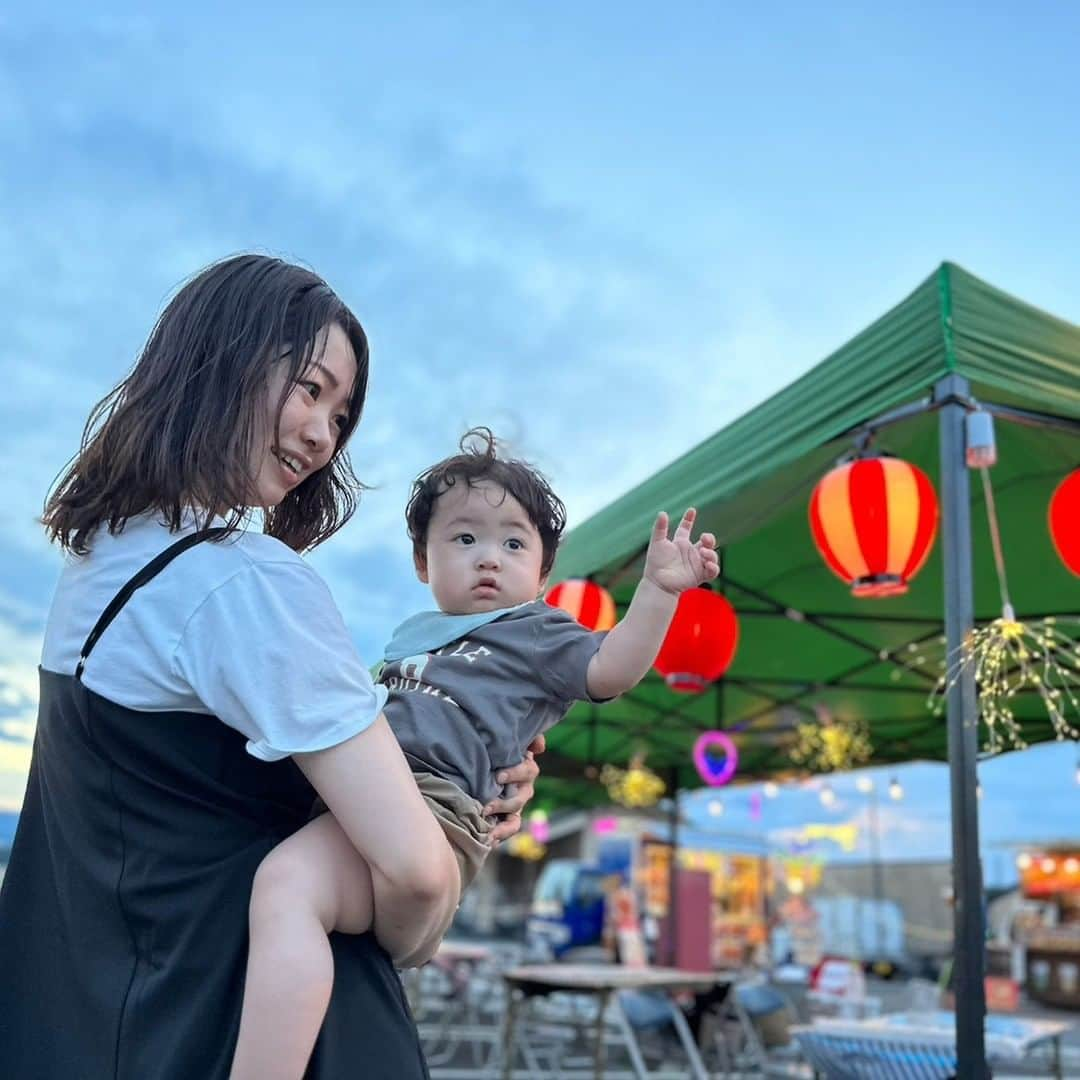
[{"x": 147, "y": 573}]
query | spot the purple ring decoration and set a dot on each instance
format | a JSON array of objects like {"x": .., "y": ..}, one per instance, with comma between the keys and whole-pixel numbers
[{"x": 716, "y": 775}]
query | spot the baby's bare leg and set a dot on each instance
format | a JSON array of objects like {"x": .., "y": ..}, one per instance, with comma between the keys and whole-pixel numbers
[{"x": 310, "y": 884}]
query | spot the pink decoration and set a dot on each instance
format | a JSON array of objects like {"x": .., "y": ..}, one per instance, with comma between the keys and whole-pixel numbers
[
  {"x": 715, "y": 773},
  {"x": 605, "y": 825}
]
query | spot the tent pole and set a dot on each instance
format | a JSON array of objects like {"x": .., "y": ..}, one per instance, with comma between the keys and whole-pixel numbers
[
  {"x": 672, "y": 958},
  {"x": 968, "y": 926}
]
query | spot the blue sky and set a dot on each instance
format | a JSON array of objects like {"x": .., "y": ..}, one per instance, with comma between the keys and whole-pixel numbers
[
  {"x": 603, "y": 230},
  {"x": 1030, "y": 800}
]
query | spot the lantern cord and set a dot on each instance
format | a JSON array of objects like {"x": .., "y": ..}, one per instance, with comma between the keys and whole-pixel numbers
[{"x": 995, "y": 540}]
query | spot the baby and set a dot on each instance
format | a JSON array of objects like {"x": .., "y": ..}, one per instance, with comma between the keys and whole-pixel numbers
[{"x": 470, "y": 686}]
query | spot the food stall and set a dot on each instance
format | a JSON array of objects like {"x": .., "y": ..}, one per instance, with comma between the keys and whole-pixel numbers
[
  {"x": 734, "y": 912},
  {"x": 1052, "y": 967}
]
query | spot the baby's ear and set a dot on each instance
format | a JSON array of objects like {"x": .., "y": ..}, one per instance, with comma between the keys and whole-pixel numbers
[{"x": 420, "y": 562}]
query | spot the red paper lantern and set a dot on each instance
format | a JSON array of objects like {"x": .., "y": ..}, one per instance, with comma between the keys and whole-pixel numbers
[
  {"x": 700, "y": 642},
  {"x": 874, "y": 521},
  {"x": 590, "y": 604},
  {"x": 1064, "y": 520}
]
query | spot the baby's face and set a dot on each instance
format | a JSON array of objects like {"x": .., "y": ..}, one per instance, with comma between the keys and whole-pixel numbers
[{"x": 483, "y": 553}]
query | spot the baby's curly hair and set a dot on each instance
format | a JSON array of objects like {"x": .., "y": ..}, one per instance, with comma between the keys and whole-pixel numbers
[{"x": 478, "y": 461}]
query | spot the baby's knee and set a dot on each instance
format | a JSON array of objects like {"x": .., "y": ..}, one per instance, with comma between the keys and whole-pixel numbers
[{"x": 278, "y": 885}]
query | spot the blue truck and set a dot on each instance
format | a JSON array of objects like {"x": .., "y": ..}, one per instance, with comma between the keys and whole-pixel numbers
[{"x": 567, "y": 909}]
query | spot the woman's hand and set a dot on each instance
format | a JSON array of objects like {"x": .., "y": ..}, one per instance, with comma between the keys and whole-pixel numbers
[{"x": 522, "y": 777}]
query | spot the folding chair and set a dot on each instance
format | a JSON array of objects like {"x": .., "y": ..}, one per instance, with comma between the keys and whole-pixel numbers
[{"x": 757, "y": 1034}]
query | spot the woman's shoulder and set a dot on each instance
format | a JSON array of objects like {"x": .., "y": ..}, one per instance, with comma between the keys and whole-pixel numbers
[
  {"x": 244, "y": 564},
  {"x": 245, "y": 548},
  {"x": 144, "y": 538}
]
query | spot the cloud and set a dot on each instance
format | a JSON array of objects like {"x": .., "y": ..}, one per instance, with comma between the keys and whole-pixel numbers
[
  {"x": 19, "y": 653},
  {"x": 602, "y": 343}
]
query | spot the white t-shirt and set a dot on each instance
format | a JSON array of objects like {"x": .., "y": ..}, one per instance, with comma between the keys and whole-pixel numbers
[{"x": 243, "y": 629}]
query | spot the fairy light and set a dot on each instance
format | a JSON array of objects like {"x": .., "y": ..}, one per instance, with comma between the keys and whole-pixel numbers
[
  {"x": 832, "y": 744},
  {"x": 634, "y": 786},
  {"x": 1009, "y": 656},
  {"x": 865, "y": 784},
  {"x": 1023, "y": 861},
  {"x": 827, "y": 796},
  {"x": 896, "y": 790},
  {"x": 716, "y": 808},
  {"x": 525, "y": 846},
  {"x": 539, "y": 827},
  {"x": 772, "y": 789}
]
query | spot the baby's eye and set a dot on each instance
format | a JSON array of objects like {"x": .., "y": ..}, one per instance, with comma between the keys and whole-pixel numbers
[
  {"x": 515, "y": 545},
  {"x": 466, "y": 539}
]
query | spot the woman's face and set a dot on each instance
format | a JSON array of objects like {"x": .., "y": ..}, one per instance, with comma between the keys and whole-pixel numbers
[{"x": 312, "y": 419}]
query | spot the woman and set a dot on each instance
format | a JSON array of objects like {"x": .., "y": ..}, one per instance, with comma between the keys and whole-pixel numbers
[{"x": 198, "y": 688}]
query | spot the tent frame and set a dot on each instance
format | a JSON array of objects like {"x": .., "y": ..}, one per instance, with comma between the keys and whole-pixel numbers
[
  {"x": 952, "y": 400},
  {"x": 952, "y": 331}
]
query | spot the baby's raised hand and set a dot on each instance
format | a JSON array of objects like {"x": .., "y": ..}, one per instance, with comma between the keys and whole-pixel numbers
[{"x": 676, "y": 564}]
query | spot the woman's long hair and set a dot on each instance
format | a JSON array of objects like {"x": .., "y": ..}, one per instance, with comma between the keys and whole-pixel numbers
[{"x": 179, "y": 433}]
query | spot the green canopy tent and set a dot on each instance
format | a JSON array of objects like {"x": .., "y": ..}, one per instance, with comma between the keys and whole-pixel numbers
[{"x": 904, "y": 385}]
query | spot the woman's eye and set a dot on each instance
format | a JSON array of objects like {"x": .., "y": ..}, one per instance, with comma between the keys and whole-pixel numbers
[
  {"x": 313, "y": 388},
  {"x": 341, "y": 420}
]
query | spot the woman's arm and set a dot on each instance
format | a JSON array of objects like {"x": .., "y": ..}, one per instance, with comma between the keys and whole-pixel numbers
[{"x": 369, "y": 788}]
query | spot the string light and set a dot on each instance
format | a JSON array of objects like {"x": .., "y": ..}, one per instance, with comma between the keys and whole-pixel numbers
[
  {"x": 772, "y": 790},
  {"x": 896, "y": 789},
  {"x": 865, "y": 784},
  {"x": 716, "y": 808},
  {"x": 827, "y": 796}
]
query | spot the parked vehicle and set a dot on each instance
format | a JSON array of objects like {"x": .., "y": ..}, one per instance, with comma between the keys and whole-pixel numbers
[{"x": 568, "y": 906}]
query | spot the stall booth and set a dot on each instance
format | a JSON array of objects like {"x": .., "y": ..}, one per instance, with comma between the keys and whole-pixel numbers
[
  {"x": 721, "y": 897},
  {"x": 1052, "y": 967}
]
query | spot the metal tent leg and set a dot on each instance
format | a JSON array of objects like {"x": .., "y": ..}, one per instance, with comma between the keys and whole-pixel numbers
[{"x": 968, "y": 927}]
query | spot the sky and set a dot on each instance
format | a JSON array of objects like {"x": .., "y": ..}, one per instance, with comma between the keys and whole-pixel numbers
[
  {"x": 603, "y": 230},
  {"x": 1030, "y": 801}
]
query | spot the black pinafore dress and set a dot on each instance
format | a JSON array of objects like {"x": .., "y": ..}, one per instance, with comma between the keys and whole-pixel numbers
[{"x": 123, "y": 912}]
